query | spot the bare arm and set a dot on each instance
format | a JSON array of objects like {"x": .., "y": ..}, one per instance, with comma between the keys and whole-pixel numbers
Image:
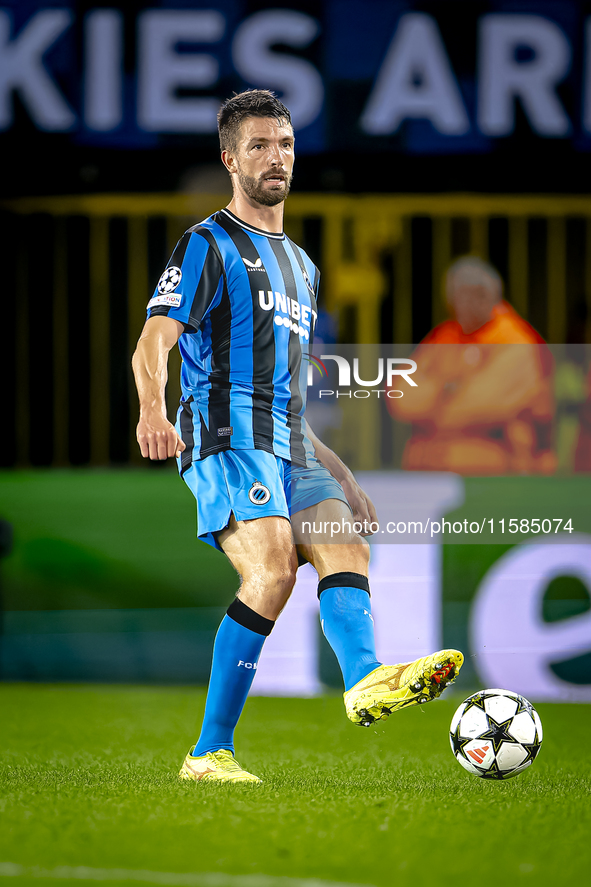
[
  {"x": 361, "y": 505},
  {"x": 155, "y": 434}
]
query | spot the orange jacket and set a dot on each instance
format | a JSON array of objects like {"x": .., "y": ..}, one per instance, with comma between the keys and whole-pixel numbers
[
  {"x": 583, "y": 450},
  {"x": 505, "y": 327},
  {"x": 483, "y": 402}
]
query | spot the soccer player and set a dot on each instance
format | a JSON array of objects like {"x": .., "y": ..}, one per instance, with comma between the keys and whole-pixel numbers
[{"x": 239, "y": 297}]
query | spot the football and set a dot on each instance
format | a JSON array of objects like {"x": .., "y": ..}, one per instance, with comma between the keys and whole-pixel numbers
[{"x": 495, "y": 734}]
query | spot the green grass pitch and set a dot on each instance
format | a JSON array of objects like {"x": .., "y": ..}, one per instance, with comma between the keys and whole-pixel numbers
[{"x": 89, "y": 788}]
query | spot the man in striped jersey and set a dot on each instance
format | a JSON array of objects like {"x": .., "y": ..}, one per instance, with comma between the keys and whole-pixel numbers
[{"x": 239, "y": 298}]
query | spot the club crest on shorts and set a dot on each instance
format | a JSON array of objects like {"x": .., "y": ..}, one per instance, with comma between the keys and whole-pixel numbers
[
  {"x": 259, "y": 494},
  {"x": 169, "y": 280}
]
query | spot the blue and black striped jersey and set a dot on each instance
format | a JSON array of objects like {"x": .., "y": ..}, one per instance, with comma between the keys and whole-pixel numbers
[{"x": 247, "y": 300}]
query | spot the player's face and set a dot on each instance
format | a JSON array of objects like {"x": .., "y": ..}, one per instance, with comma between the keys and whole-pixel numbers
[{"x": 264, "y": 160}]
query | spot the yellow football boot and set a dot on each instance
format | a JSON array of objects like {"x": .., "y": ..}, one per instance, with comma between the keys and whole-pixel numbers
[
  {"x": 390, "y": 688},
  {"x": 215, "y": 766}
]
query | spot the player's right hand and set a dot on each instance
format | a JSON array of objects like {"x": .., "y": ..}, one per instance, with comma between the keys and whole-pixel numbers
[{"x": 158, "y": 439}]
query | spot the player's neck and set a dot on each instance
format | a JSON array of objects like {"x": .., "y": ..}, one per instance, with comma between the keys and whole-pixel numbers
[{"x": 266, "y": 218}]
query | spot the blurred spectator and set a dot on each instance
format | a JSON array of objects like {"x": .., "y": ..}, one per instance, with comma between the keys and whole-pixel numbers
[
  {"x": 575, "y": 402},
  {"x": 474, "y": 292},
  {"x": 486, "y": 405},
  {"x": 583, "y": 450},
  {"x": 571, "y": 422}
]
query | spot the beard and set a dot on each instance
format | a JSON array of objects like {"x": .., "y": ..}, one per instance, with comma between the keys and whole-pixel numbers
[{"x": 254, "y": 188}]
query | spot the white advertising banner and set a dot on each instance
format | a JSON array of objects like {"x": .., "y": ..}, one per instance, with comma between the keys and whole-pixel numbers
[{"x": 510, "y": 644}]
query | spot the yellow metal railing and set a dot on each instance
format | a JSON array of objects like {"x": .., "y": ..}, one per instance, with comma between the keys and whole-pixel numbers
[{"x": 357, "y": 232}]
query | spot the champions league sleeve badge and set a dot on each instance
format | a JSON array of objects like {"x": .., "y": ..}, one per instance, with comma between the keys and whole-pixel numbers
[
  {"x": 259, "y": 494},
  {"x": 169, "y": 280}
]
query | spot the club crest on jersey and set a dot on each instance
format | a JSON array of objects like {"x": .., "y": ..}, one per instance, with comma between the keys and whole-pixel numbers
[
  {"x": 169, "y": 280},
  {"x": 259, "y": 494},
  {"x": 308, "y": 282},
  {"x": 254, "y": 266}
]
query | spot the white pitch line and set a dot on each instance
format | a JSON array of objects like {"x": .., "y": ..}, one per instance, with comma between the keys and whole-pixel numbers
[{"x": 174, "y": 879}]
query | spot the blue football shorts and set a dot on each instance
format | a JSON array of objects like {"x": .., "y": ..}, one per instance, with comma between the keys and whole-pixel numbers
[{"x": 251, "y": 484}]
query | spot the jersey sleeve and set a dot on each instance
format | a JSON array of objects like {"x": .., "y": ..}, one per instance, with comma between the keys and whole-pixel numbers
[
  {"x": 316, "y": 282},
  {"x": 191, "y": 284}
]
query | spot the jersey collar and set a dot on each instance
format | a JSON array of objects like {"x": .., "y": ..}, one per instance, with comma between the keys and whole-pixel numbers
[{"x": 251, "y": 228}]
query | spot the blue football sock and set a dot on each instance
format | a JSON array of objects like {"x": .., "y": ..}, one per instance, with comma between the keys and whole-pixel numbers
[
  {"x": 236, "y": 651},
  {"x": 347, "y": 623}
]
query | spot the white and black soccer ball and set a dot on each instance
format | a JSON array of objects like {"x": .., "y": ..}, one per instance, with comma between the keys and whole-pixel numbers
[{"x": 495, "y": 734}]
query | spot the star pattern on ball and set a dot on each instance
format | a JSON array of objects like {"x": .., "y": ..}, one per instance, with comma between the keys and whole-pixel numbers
[
  {"x": 493, "y": 772},
  {"x": 169, "y": 280},
  {"x": 459, "y": 744},
  {"x": 478, "y": 700},
  {"x": 497, "y": 733},
  {"x": 524, "y": 705}
]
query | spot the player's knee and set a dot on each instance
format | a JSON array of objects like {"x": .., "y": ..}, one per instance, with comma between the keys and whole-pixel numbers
[
  {"x": 282, "y": 575},
  {"x": 275, "y": 576}
]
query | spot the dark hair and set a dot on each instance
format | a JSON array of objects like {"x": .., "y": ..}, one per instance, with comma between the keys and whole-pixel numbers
[{"x": 251, "y": 103}]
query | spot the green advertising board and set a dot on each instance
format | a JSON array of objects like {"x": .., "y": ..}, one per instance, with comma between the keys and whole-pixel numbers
[{"x": 107, "y": 581}]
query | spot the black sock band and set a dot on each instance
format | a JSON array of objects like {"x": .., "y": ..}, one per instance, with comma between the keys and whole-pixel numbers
[
  {"x": 344, "y": 580},
  {"x": 243, "y": 615}
]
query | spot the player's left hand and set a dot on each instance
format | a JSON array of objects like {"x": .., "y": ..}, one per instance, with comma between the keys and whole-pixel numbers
[{"x": 363, "y": 509}]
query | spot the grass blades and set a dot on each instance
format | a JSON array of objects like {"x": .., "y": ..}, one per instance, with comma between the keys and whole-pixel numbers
[{"x": 88, "y": 779}]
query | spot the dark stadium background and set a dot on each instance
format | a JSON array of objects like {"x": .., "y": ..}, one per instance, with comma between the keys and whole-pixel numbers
[{"x": 82, "y": 162}]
